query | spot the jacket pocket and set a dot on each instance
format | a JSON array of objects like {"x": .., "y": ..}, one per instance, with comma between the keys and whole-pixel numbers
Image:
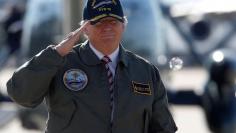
[{"x": 60, "y": 118}]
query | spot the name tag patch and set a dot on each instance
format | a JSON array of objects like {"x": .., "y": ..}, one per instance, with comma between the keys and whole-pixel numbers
[{"x": 141, "y": 88}]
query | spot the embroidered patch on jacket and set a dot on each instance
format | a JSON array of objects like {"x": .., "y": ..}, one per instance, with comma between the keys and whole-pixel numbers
[
  {"x": 75, "y": 79},
  {"x": 141, "y": 88}
]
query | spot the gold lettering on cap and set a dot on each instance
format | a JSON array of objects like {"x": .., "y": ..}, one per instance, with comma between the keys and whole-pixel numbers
[{"x": 104, "y": 9}]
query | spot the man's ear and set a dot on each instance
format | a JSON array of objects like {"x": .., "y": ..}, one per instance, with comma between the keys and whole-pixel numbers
[{"x": 123, "y": 26}]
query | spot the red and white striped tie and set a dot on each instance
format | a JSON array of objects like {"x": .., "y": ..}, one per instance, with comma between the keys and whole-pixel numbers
[{"x": 106, "y": 60}]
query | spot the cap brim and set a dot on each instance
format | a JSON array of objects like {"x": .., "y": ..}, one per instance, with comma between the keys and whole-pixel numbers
[{"x": 98, "y": 18}]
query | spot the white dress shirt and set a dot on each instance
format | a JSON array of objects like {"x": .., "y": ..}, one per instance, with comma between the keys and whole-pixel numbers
[{"x": 113, "y": 56}]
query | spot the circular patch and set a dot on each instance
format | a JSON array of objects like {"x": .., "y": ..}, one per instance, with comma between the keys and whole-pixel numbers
[{"x": 75, "y": 79}]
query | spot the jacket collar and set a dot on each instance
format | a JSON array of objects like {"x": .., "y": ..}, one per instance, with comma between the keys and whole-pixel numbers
[
  {"x": 123, "y": 57},
  {"x": 89, "y": 57}
]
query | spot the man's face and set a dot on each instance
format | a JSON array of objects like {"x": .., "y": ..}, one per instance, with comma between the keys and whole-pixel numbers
[{"x": 107, "y": 30}]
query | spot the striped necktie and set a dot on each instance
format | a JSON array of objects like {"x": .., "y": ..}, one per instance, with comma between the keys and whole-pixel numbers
[{"x": 106, "y": 60}]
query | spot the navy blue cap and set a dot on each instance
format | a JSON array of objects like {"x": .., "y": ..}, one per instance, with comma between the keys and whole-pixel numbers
[{"x": 95, "y": 10}]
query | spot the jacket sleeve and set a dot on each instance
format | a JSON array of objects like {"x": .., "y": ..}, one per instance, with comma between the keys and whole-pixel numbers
[
  {"x": 30, "y": 82},
  {"x": 161, "y": 118}
]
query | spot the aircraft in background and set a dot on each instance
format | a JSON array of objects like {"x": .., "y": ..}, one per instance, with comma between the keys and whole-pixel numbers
[
  {"x": 205, "y": 30},
  {"x": 194, "y": 29}
]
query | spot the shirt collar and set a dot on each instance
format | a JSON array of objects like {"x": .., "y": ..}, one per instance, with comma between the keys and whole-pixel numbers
[
  {"x": 87, "y": 55},
  {"x": 113, "y": 56}
]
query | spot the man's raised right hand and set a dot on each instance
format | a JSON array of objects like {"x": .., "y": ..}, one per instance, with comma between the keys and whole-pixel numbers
[{"x": 65, "y": 46}]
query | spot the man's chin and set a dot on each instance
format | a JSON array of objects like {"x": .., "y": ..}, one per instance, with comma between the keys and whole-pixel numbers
[{"x": 108, "y": 39}]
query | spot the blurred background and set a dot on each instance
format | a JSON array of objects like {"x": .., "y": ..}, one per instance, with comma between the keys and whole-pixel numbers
[{"x": 192, "y": 42}]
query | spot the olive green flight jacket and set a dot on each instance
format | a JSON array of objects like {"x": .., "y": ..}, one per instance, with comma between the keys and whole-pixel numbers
[{"x": 75, "y": 88}]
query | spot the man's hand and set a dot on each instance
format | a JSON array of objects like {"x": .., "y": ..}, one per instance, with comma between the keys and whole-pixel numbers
[{"x": 65, "y": 46}]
